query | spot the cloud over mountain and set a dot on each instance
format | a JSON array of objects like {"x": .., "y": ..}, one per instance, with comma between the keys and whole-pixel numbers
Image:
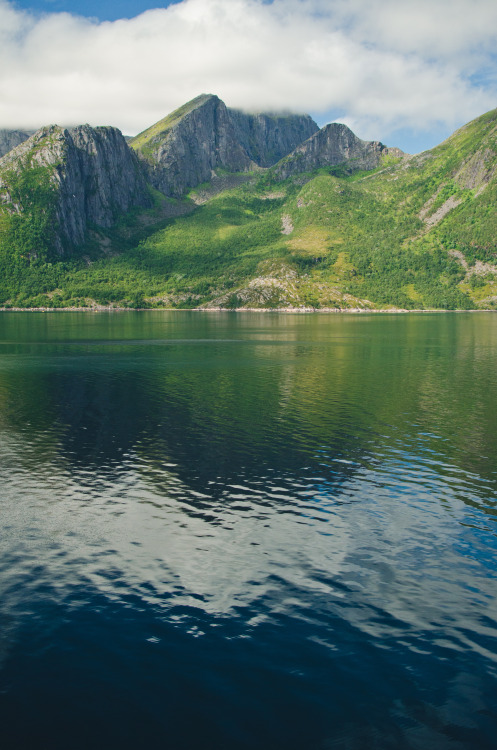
[{"x": 381, "y": 65}]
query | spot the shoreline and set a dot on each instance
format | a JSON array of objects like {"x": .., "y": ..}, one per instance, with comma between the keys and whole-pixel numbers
[{"x": 286, "y": 310}]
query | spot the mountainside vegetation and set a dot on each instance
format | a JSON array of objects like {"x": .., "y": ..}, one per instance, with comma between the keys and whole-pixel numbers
[{"x": 371, "y": 228}]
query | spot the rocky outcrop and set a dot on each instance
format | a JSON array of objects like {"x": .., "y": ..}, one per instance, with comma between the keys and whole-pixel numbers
[
  {"x": 184, "y": 150},
  {"x": 334, "y": 145},
  {"x": 267, "y": 138},
  {"x": 96, "y": 178},
  {"x": 9, "y": 139}
]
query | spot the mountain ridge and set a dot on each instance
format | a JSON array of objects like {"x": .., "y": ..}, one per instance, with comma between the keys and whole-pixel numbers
[
  {"x": 184, "y": 149},
  {"x": 337, "y": 223}
]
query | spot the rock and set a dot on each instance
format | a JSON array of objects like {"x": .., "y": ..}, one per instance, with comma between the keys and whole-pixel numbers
[
  {"x": 184, "y": 150},
  {"x": 286, "y": 224},
  {"x": 9, "y": 139},
  {"x": 95, "y": 174},
  {"x": 334, "y": 145},
  {"x": 267, "y": 138}
]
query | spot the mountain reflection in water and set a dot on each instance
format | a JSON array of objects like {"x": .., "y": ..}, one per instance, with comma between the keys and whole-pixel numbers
[{"x": 248, "y": 531}]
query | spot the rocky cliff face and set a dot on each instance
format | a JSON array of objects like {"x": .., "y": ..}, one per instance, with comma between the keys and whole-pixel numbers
[
  {"x": 95, "y": 176},
  {"x": 9, "y": 139},
  {"x": 267, "y": 138},
  {"x": 333, "y": 145},
  {"x": 183, "y": 150}
]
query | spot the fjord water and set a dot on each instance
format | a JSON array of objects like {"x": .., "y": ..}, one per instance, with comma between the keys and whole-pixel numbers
[{"x": 233, "y": 531}]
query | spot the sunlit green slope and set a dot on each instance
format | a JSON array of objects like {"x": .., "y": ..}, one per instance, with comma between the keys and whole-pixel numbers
[{"x": 418, "y": 232}]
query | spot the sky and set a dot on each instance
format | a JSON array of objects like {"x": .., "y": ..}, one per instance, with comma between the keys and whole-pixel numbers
[{"x": 405, "y": 72}]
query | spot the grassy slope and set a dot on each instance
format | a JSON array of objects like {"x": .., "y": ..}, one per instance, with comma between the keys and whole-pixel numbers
[{"x": 357, "y": 240}]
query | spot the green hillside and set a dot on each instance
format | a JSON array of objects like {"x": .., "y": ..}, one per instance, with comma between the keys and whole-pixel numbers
[{"x": 418, "y": 232}]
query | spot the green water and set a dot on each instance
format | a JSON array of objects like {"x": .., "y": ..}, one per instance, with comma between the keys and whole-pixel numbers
[{"x": 233, "y": 530}]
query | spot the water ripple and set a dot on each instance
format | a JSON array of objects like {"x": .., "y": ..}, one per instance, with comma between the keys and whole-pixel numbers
[{"x": 252, "y": 521}]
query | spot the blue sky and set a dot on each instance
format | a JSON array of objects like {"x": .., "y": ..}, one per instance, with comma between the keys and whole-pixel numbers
[
  {"x": 406, "y": 72},
  {"x": 104, "y": 10}
]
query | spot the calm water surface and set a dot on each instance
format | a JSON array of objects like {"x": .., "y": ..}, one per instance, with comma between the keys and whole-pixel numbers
[{"x": 248, "y": 531}]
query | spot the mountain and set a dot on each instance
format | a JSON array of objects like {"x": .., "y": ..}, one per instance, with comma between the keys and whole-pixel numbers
[
  {"x": 267, "y": 138},
  {"x": 333, "y": 145},
  {"x": 9, "y": 139},
  {"x": 187, "y": 147},
  {"x": 201, "y": 213},
  {"x": 414, "y": 232},
  {"x": 69, "y": 179}
]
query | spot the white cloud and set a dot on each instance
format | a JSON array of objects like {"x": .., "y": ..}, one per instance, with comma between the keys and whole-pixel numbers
[
  {"x": 439, "y": 28},
  {"x": 384, "y": 64}
]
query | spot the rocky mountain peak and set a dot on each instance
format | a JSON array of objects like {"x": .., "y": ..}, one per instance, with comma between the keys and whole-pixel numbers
[
  {"x": 333, "y": 145},
  {"x": 94, "y": 175},
  {"x": 184, "y": 149}
]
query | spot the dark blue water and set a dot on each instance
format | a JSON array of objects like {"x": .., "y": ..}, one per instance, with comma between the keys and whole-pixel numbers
[{"x": 239, "y": 531}]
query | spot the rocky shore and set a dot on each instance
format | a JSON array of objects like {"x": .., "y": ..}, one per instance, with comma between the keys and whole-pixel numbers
[{"x": 298, "y": 310}]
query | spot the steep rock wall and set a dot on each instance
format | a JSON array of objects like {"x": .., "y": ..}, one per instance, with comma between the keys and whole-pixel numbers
[
  {"x": 267, "y": 138},
  {"x": 186, "y": 154},
  {"x": 95, "y": 175},
  {"x": 183, "y": 150}
]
